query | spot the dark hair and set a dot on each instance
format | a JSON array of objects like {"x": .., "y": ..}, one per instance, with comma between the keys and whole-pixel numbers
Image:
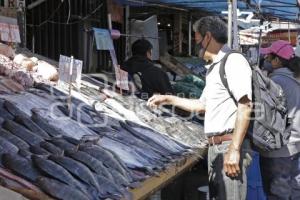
[
  {"x": 283, "y": 61},
  {"x": 294, "y": 66},
  {"x": 212, "y": 24},
  {"x": 141, "y": 47}
]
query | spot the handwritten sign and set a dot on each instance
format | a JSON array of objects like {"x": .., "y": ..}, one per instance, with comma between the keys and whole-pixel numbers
[{"x": 64, "y": 70}]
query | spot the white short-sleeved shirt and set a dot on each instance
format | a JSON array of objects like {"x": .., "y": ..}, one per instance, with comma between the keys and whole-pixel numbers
[{"x": 220, "y": 108}]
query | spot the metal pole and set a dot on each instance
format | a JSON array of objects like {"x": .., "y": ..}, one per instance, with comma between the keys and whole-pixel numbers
[
  {"x": 230, "y": 23},
  {"x": 109, "y": 21},
  {"x": 33, "y": 42},
  {"x": 235, "y": 25},
  {"x": 179, "y": 29},
  {"x": 21, "y": 16},
  {"x": 190, "y": 36},
  {"x": 127, "y": 26},
  {"x": 70, "y": 84},
  {"x": 289, "y": 31},
  {"x": 259, "y": 41}
]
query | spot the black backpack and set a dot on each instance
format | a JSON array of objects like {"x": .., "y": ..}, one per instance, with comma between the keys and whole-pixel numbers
[{"x": 268, "y": 129}]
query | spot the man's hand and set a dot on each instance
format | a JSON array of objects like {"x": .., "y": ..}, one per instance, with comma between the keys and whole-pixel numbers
[
  {"x": 232, "y": 156},
  {"x": 157, "y": 100},
  {"x": 231, "y": 162}
]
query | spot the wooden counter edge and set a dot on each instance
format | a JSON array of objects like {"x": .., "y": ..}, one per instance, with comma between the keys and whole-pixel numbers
[{"x": 153, "y": 184}]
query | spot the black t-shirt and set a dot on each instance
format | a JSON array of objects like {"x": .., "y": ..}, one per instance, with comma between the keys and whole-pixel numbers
[{"x": 154, "y": 79}]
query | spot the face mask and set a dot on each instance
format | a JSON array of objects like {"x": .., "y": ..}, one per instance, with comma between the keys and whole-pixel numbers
[
  {"x": 267, "y": 66},
  {"x": 203, "y": 49}
]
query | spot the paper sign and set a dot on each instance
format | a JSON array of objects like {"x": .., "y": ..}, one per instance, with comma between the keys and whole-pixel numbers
[
  {"x": 64, "y": 70},
  {"x": 10, "y": 33},
  {"x": 104, "y": 42},
  {"x": 21, "y": 3},
  {"x": 121, "y": 75},
  {"x": 103, "y": 39},
  {"x": 121, "y": 78}
]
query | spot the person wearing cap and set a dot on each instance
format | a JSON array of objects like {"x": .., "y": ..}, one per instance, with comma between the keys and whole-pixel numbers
[
  {"x": 153, "y": 79},
  {"x": 226, "y": 117},
  {"x": 281, "y": 168}
]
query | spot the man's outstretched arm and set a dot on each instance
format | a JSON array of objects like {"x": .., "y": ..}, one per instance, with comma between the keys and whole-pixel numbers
[{"x": 190, "y": 105}]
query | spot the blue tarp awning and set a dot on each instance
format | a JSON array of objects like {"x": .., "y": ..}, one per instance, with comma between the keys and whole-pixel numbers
[{"x": 283, "y": 9}]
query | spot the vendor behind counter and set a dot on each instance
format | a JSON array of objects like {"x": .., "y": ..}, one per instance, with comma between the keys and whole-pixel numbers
[{"x": 140, "y": 66}]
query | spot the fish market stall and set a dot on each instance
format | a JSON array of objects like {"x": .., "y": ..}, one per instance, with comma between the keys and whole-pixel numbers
[{"x": 101, "y": 145}]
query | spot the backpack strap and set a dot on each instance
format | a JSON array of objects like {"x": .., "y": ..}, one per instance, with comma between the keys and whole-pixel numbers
[{"x": 223, "y": 73}]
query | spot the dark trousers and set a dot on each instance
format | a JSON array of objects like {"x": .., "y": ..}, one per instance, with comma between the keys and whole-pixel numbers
[{"x": 281, "y": 177}]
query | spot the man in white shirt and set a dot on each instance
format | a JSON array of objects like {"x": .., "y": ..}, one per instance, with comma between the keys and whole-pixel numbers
[{"x": 226, "y": 117}]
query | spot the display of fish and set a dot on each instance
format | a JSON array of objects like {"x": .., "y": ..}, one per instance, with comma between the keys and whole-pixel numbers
[
  {"x": 36, "y": 149},
  {"x": 65, "y": 125},
  {"x": 71, "y": 140},
  {"x": 60, "y": 190},
  {"x": 76, "y": 114},
  {"x": 3, "y": 112},
  {"x": 123, "y": 136},
  {"x": 6, "y": 147},
  {"x": 43, "y": 124},
  {"x": 106, "y": 158},
  {"x": 110, "y": 190},
  {"x": 25, "y": 153},
  {"x": 12, "y": 109},
  {"x": 95, "y": 165},
  {"x": 62, "y": 144},
  {"x": 153, "y": 138},
  {"x": 58, "y": 172},
  {"x": 21, "y": 144},
  {"x": 99, "y": 149},
  {"x": 20, "y": 166},
  {"x": 51, "y": 148},
  {"x": 23, "y": 133},
  {"x": 76, "y": 168},
  {"x": 30, "y": 125},
  {"x": 131, "y": 159}
]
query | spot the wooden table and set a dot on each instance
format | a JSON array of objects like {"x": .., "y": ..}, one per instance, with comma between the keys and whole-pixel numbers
[{"x": 153, "y": 184}]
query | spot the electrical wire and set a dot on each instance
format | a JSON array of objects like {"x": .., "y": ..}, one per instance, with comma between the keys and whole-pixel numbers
[
  {"x": 50, "y": 17},
  {"x": 257, "y": 9},
  {"x": 81, "y": 20},
  {"x": 69, "y": 15},
  {"x": 259, "y": 12},
  {"x": 67, "y": 23}
]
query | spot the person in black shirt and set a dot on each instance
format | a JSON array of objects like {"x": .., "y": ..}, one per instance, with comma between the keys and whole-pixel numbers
[{"x": 153, "y": 79}]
